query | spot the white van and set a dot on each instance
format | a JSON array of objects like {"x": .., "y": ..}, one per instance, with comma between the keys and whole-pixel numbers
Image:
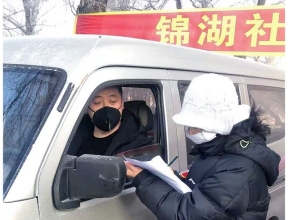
[{"x": 48, "y": 84}]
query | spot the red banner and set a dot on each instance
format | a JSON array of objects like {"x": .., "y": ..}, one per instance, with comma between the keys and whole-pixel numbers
[{"x": 241, "y": 31}]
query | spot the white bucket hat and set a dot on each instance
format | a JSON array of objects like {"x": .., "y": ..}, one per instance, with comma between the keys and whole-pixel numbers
[{"x": 209, "y": 104}]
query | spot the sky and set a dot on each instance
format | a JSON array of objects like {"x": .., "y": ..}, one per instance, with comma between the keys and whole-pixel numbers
[{"x": 60, "y": 18}]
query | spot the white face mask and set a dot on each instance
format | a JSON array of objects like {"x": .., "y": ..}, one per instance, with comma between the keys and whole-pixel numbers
[{"x": 201, "y": 137}]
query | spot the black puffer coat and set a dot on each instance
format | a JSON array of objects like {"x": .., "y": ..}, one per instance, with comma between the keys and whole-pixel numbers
[{"x": 227, "y": 181}]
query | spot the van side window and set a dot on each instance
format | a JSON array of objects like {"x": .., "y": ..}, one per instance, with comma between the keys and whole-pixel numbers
[
  {"x": 183, "y": 86},
  {"x": 272, "y": 101},
  {"x": 140, "y": 101},
  {"x": 145, "y": 94}
]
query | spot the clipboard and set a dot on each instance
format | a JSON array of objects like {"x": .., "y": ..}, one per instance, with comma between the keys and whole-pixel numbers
[{"x": 145, "y": 153}]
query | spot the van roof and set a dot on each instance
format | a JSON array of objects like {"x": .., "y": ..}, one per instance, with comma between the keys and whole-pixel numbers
[{"x": 92, "y": 52}]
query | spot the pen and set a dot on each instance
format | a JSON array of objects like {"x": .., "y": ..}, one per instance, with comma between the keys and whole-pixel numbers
[{"x": 175, "y": 158}]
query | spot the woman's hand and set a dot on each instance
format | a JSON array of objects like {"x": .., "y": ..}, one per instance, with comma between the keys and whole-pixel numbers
[{"x": 132, "y": 171}]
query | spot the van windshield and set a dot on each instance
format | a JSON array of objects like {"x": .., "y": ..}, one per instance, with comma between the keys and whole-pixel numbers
[{"x": 29, "y": 95}]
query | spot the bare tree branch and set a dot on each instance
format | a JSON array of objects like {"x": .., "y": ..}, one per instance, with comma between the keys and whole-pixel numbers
[
  {"x": 14, "y": 13},
  {"x": 136, "y": 9},
  {"x": 11, "y": 9},
  {"x": 162, "y": 5},
  {"x": 16, "y": 24},
  {"x": 87, "y": 6},
  {"x": 204, "y": 3},
  {"x": 46, "y": 25},
  {"x": 279, "y": 2},
  {"x": 45, "y": 13},
  {"x": 91, "y": 6},
  {"x": 214, "y": 3},
  {"x": 237, "y": 3},
  {"x": 152, "y": 6},
  {"x": 9, "y": 33},
  {"x": 71, "y": 5},
  {"x": 6, "y": 27},
  {"x": 193, "y": 4},
  {"x": 13, "y": 22}
]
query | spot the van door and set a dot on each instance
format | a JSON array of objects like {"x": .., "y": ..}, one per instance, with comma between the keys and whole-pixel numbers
[{"x": 126, "y": 205}]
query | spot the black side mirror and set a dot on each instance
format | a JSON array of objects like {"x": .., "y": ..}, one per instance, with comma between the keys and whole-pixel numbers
[
  {"x": 87, "y": 177},
  {"x": 274, "y": 218}
]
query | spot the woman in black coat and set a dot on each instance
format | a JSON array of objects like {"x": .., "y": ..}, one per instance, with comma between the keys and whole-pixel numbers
[{"x": 234, "y": 167}]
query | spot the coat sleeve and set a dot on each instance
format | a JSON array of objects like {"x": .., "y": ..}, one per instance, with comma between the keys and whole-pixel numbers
[{"x": 214, "y": 198}]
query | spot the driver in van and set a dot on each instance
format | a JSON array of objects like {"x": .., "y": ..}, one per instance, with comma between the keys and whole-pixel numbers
[
  {"x": 108, "y": 128},
  {"x": 234, "y": 167}
]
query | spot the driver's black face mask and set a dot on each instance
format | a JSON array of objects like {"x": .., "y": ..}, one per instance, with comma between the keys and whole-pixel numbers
[{"x": 106, "y": 118}]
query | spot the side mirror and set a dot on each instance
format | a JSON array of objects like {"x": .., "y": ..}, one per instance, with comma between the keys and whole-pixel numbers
[{"x": 87, "y": 177}]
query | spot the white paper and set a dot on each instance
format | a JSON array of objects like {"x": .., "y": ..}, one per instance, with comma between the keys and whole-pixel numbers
[{"x": 159, "y": 168}]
